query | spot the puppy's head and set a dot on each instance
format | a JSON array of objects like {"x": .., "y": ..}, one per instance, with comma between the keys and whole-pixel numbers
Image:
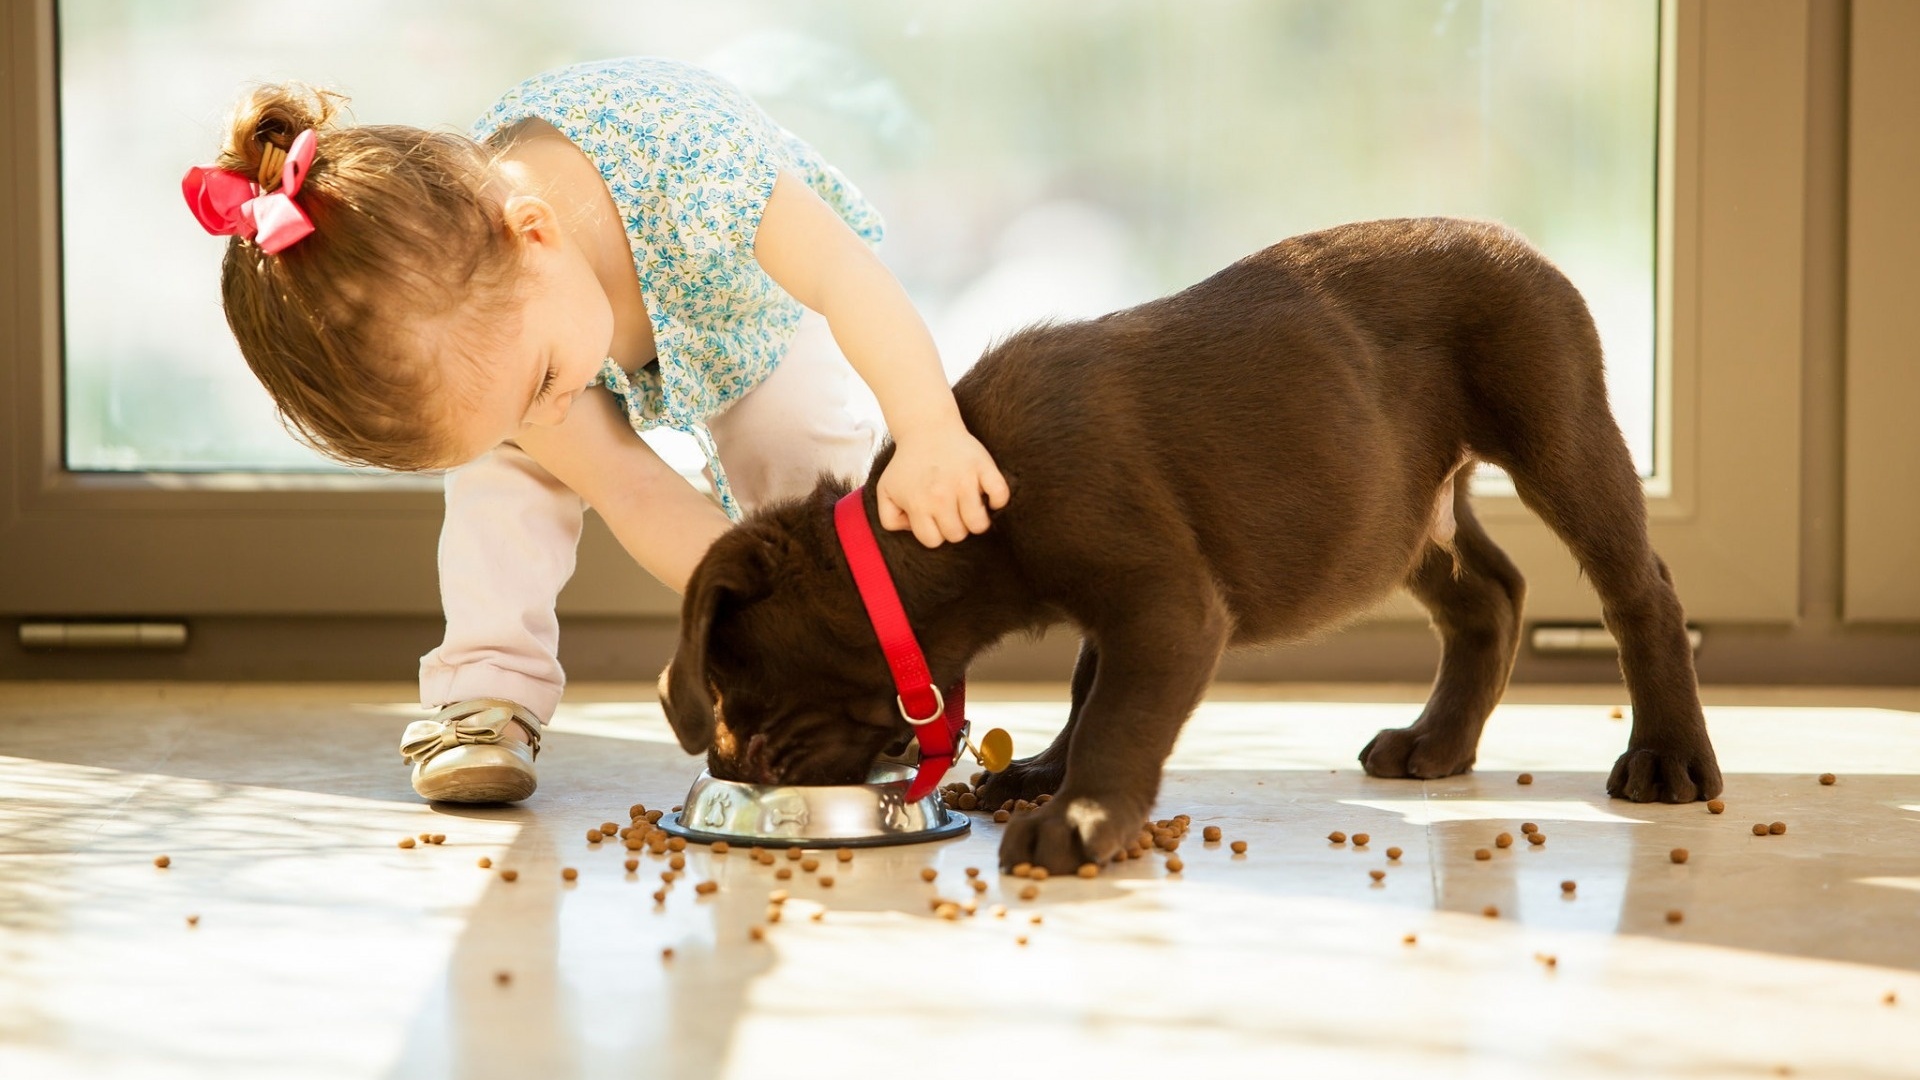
[{"x": 777, "y": 676}]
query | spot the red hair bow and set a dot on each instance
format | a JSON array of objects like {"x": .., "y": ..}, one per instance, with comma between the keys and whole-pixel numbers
[{"x": 229, "y": 204}]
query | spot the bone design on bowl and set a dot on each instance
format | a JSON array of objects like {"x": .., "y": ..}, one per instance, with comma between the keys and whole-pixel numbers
[{"x": 872, "y": 814}]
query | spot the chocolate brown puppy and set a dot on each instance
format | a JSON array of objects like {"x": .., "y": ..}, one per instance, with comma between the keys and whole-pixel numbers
[{"x": 1258, "y": 458}]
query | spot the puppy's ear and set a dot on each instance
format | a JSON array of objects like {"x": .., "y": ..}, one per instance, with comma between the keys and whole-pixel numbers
[{"x": 684, "y": 692}]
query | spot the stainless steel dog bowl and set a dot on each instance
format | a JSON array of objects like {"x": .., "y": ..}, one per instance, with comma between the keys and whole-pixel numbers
[{"x": 873, "y": 814}]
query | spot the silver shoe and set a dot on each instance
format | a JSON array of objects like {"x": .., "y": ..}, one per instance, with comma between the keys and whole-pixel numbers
[{"x": 461, "y": 755}]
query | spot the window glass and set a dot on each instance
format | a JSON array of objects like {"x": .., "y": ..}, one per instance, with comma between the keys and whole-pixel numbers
[{"x": 1033, "y": 160}]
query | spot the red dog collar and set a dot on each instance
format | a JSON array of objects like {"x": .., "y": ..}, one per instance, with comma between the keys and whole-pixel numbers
[{"x": 938, "y": 720}]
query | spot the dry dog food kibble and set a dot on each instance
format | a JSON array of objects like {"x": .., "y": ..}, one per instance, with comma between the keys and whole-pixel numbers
[
  {"x": 1393, "y": 853},
  {"x": 1336, "y": 837},
  {"x": 485, "y": 862},
  {"x": 632, "y": 865},
  {"x": 1616, "y": 713},
  {"x": 1715, "y": 806},
  {"x": 1022, "y": 869},
  {"x": 678, "y": 862},
  {"x": 509, "y": 875},
  {"x": 1760, "y": 830},
  {"x": 720, "y": 847},
  {"x": 1482, "y": 854},
  {"x": 1529, "y": 828},
  {"x": 1504, "y": 840},
  {"x": 1675, "y": 915},
  {"x": 1211, "y": 834},
  {"x": 654, "y": 816},
  {"x": 1490, "y": 911},
  {"x": 949, "y": 911},
  {"x": 193, "y": 920},
  {"x": 1038, "y": 873},
  {"x": 1239, "y": 847},
  {"x": 778, "y": 896},
  {"x": 660, "y": 896},
  {"x": 1029, "y": 892},
  {"x": 1021, "y": 940},
  {"x": 1377, "y": 875},
  {"x": 783, "y": 874},
  {"x": 773, "y": 914},
  {"x": 163, "y": 861},
  {"x": 818, "y": 915},
  {"x": 928, "y": 873},
  {"x": 809, "y": 865},
  {"x": 678, "y": 843},
  {"x": 438, "y": 838},
  {"x": 845, "y": 854},
  {"x": 668, "y": 876},
  {"x": 1092, "y": 870},
  {"x": 756, "y": 933},
  {"x": 569, "y": 874},
  {"x": 1174, "y": 866},
  {"x": 1524, "y": 778},
  {"x": 405, "y": 841},
  {"x": 1360, "y": 839},
  {"x": 826, "y": 881},
  {"x": 1678, "y": 854},
  {"x": 1827, "y": 778},
  {"x": 1536, "y": 838},
  {"x": 794, "y": 854},
  {"x": 1777, "y": 828},
  {"x": 973, "y": 871},
  {"x": 1410, "y": 939},
  {"x": 978, "y": 885},
  {"x": 666, "y": 953},
  {"x": 1567, "y": 887},
  {"x": 594, "y": 836},
  {"x": 1036, "y": 920},
  {"x": 637, "y": 810},
  {"x": 1001, "y": 817},
  {"x": 503, "y": 977}
]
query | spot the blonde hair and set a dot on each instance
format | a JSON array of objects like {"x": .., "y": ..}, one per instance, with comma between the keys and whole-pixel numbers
[{"x": 404, "y": 231}]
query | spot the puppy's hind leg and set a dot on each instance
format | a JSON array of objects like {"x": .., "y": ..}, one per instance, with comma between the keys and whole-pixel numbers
[
  {"x": 1474, "y": 595},
  {"x": 1590, "y": 495},
  {"x": 1041, "y": 774},
  {"x": 1570, "y": 465}
]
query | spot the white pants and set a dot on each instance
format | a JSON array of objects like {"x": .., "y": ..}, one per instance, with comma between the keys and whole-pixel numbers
[{"x": 507, "y": 543}]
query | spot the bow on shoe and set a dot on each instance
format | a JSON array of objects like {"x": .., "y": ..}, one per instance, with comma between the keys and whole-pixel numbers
[
  {"x": 466, "y": 723},
  {"x": 230, "y": 204}
]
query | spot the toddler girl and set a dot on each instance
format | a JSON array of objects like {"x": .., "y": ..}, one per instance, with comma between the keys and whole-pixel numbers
[{"x": 619, "y": 246}]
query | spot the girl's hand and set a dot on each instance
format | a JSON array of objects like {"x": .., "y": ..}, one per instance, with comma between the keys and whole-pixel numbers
[{"x": 934, "y": 486}]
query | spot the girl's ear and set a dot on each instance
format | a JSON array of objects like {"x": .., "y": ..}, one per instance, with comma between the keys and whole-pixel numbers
[{"x": 531, "y": 219}]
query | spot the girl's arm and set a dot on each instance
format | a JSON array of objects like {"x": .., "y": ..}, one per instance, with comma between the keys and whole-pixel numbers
[
  {"x": 939, "y": 472},
  {"x": 662, "y": 521}
]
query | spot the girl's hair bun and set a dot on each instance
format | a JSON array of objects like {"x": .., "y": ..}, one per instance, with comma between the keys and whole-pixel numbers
[{"x": 274, "y": 114}]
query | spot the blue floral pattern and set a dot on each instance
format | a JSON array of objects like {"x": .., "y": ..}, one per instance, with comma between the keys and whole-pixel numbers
[{"x": 690, "y": 161}]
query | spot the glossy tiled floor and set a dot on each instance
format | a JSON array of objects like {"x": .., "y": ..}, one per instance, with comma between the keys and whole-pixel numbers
[{"x": 323, "y": 949}]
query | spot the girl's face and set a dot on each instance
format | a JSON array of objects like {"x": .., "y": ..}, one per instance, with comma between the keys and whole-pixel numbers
[{"x": 565, "y": 333}]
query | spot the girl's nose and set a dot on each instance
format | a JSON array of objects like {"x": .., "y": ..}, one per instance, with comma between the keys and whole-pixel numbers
[{"x": 554, "y": 413}]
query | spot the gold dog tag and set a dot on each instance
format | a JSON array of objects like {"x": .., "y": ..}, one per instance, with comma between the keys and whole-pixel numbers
[{"x": 996, "y": 750}]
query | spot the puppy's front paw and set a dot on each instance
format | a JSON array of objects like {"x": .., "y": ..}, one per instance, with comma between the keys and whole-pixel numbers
[
  {"x": 1069, "y": 831},
  {"x": 1026, "y": 779},
  {"x": 1417, "y": 753},
  {"x": 1674, "y": 774}
]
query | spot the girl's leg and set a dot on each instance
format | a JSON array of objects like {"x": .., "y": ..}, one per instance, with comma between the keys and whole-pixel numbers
[
  {"x": 506, "y": 548},
  {"x": 808, "y": 417}
]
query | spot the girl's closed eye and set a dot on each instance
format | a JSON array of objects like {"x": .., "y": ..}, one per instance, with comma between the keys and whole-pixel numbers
[{"x": 546, "y": 386}]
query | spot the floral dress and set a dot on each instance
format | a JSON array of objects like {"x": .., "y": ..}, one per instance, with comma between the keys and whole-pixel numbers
[{"x": 690, "y": 161}]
